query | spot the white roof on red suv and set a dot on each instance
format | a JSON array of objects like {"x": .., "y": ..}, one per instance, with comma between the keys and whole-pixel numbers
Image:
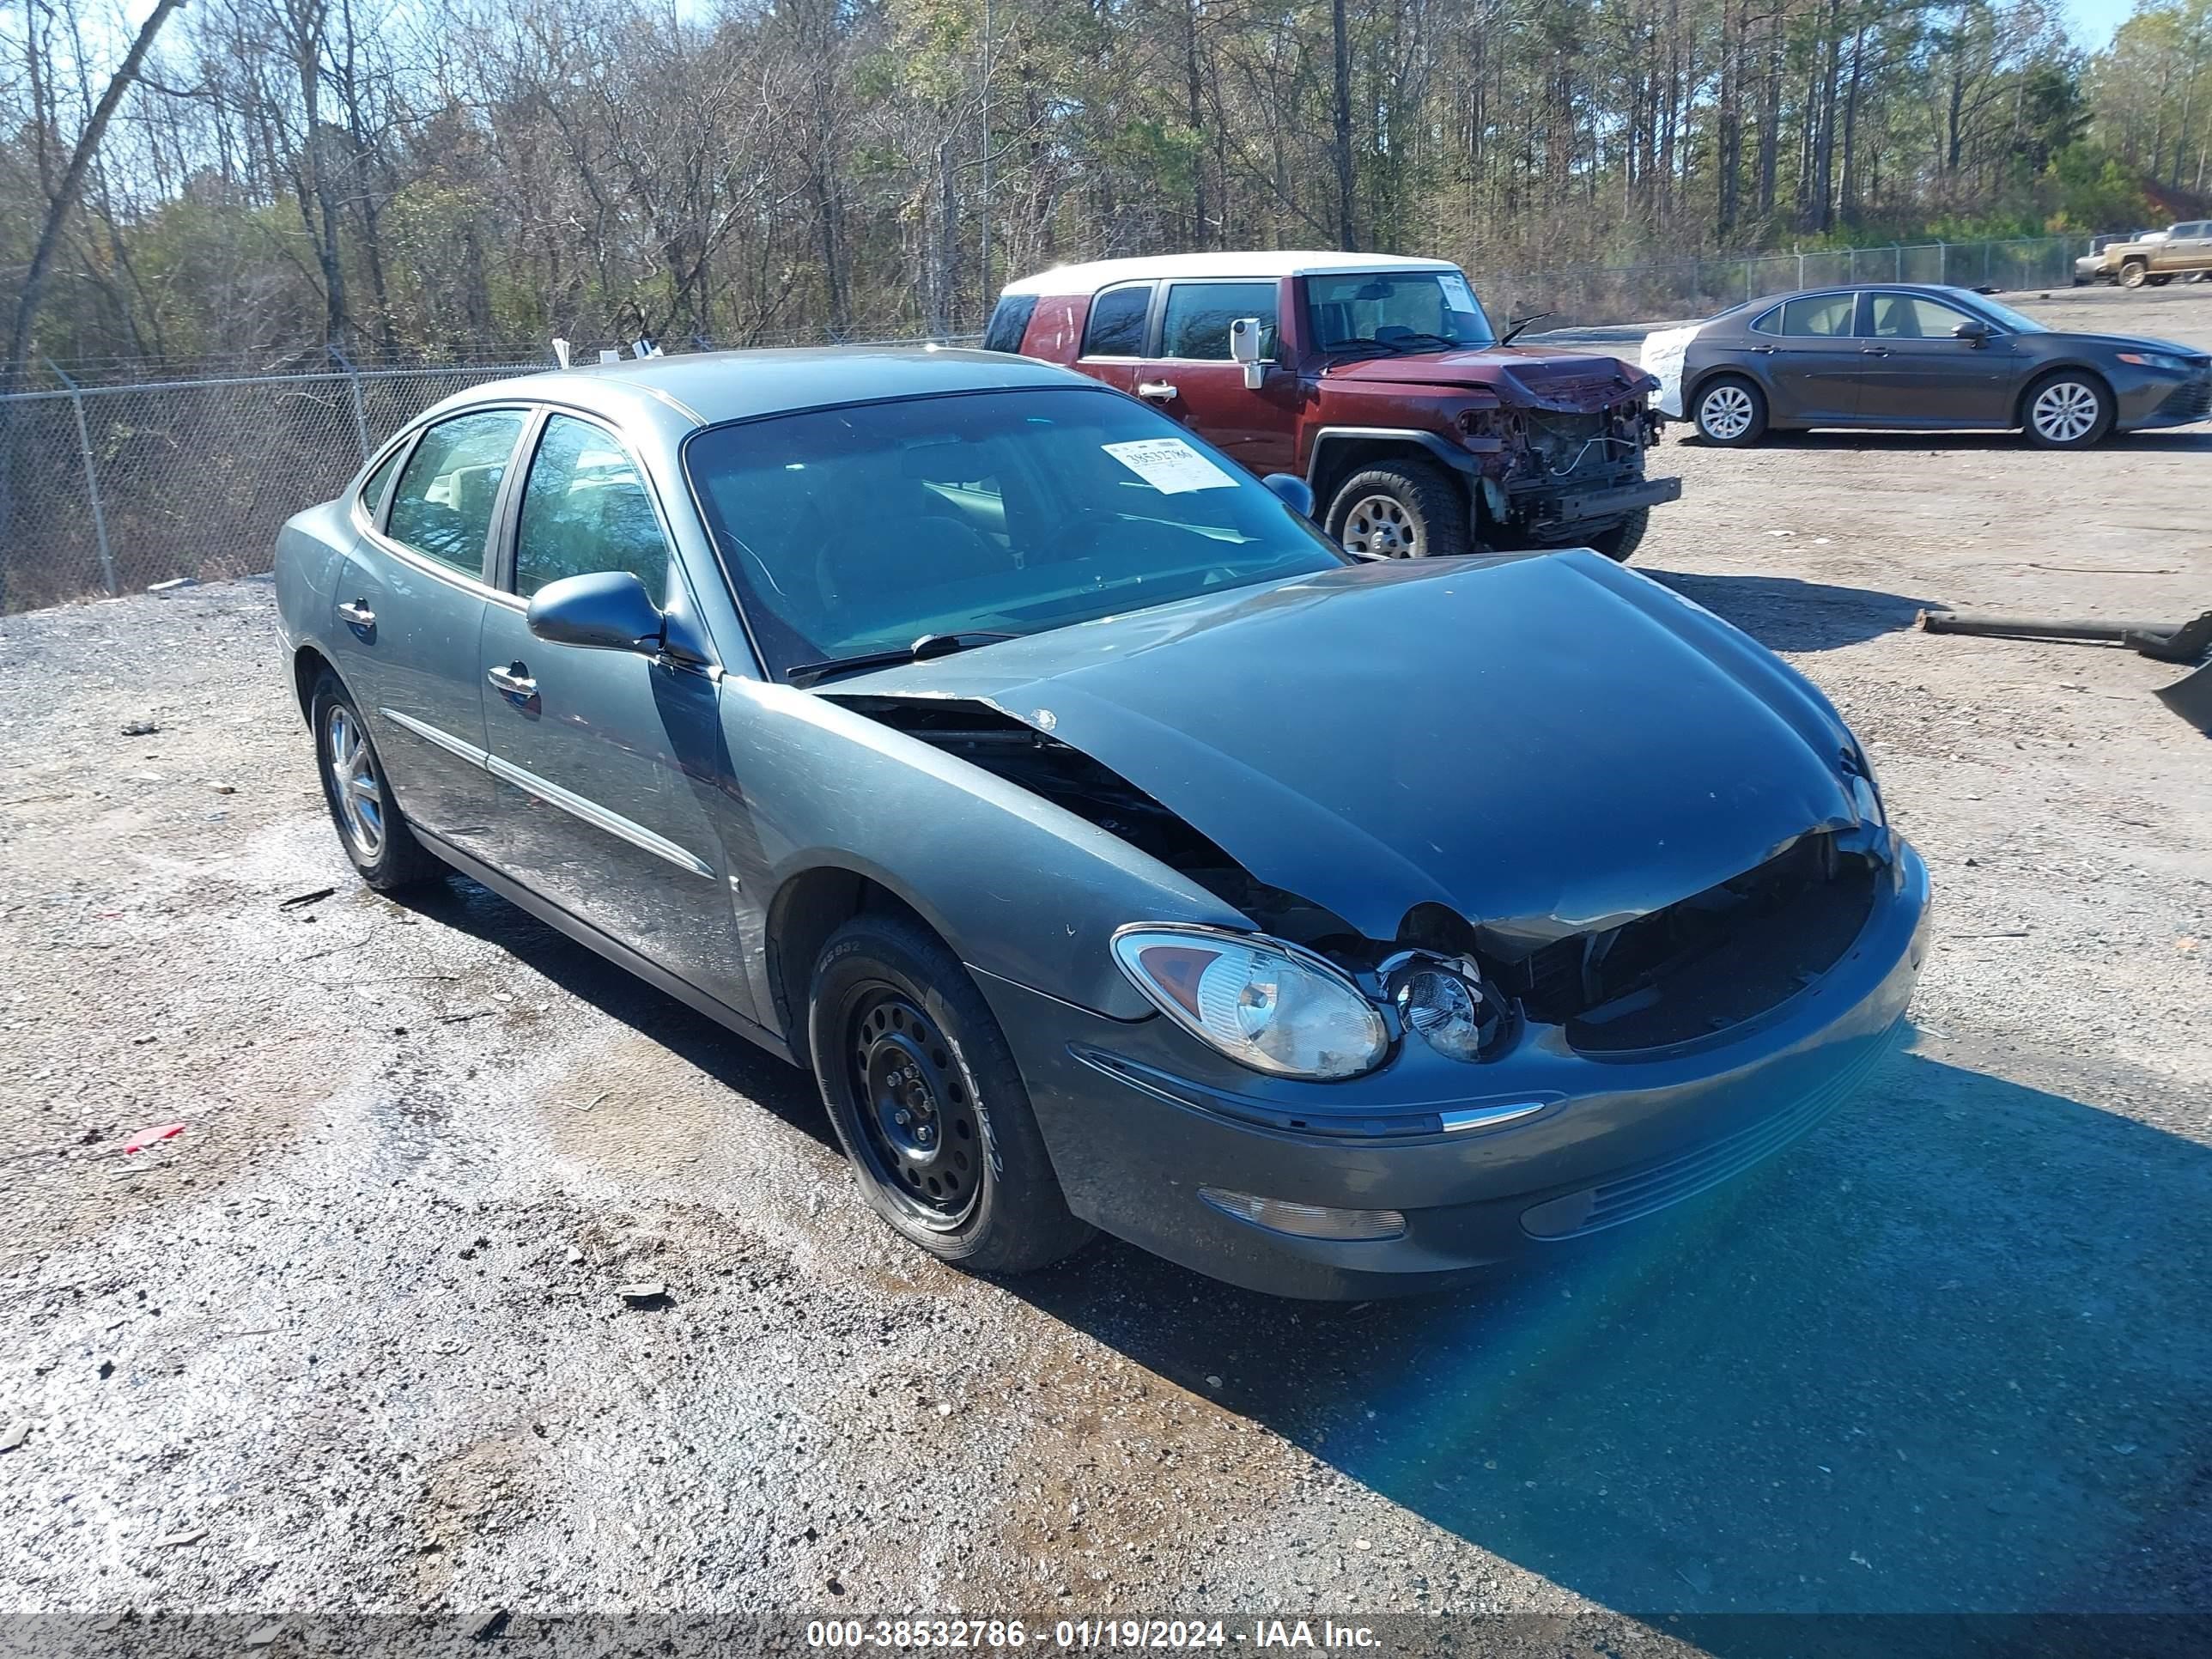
[{"x": 1263, "y": 265}]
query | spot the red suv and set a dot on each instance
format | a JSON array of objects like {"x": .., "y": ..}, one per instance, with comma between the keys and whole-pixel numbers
[{"x": 1377, "y": 379}]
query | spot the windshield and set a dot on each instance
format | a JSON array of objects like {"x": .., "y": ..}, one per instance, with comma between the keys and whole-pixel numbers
[
  {"x": 1397, "y": 309},
  {"x": 2016, "y": 321},
  {"x": 863, "y": 529}
]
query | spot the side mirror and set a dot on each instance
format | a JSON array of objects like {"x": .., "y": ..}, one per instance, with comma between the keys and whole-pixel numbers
[
  {"x": 1974, "y": 333},
  {"x": 1295, "y": 493},
  {"x": 606, "y": 611},
  {"x": 1244, "y": 347}
]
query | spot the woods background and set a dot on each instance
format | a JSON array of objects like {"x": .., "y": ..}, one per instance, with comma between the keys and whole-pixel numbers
[{"x": 463, "y": 181}]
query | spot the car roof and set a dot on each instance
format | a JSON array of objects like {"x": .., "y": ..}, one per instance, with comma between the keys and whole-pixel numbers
[
  {"x": 1950, "y": 291},
  {"x": 1262, "y": 263},
  {"x": 713, "y": 387}
]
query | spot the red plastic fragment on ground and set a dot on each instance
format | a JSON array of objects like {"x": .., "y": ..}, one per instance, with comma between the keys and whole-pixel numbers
[{"x": 145, "y": 1137}]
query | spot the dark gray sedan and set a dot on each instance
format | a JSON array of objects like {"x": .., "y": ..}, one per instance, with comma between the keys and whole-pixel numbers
[
  {"x": 1900, "y": 356},
  {"x": 1117, "y": 851}
]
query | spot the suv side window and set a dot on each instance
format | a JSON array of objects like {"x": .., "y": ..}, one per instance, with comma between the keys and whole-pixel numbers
[
  {"x": 585, "y": 509},
  {"x": 1195, "y": 321},
  {"x": 1117, "y": 324},
  {"x": 1825, "y": 315},
  {"x": 442, "y": 506}
]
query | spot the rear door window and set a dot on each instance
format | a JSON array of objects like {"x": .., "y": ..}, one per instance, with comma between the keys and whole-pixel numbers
[
  {"x": 1117, "y": 324},
  {"x": 1195, "y": 324},
  {"x": 1824, "y": 316},
  {"x": 442, "y": 504}
]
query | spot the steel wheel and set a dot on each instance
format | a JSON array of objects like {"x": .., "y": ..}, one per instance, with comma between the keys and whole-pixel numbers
[
  {"x": 1726, "y": 413},
  {"x": 1380, "y": 524},
  {"x": 920, "y": 1131},
  {"x": 355, "y": 789},
  {"x": 2065, "y": 411}
]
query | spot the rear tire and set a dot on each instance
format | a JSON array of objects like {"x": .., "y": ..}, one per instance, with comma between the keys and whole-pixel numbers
[
  {"x": 928, "y": 1104},
  {"x": 371, "y": 828},
  {"x": 1731, "y": 412},
  {"x": 2160, "y": 281},
  {"x": 2069, "y": 409},
  {"x": 1407, "y": 509},
  {"x": 1625, "y": 537}
]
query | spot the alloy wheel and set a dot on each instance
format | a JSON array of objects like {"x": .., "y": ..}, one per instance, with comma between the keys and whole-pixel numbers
[
  {"x": 919, "y": 1130},
  {"x": 2064, "y": 412},
  {"x": 1380, "y": 524},
  {"x": 356, "y": 789},
  {"x": 1725, "y": 413}
]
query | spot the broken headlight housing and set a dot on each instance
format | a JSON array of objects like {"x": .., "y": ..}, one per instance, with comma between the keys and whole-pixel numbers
[
  {"x": 1263, "y": 1003},
  {"x": 1866, "y": 794},
  {"x": 1445, "y": 1002}
]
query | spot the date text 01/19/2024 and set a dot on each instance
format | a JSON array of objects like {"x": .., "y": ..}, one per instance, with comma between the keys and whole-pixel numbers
[{"x": 1085, "y": 1634}]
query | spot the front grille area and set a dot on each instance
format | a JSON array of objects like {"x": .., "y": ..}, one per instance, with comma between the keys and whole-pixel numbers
[
  {"x": 1648, "y": 1190},
  {"x": 2190, "y": 402},
  {"x": 1698, "y": 966}
]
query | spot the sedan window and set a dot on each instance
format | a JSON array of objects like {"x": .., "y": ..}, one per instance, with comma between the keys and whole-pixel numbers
[
  {"x": 584, "y": 510},
  {"x": 1195, "y": 324},
  {"x": 443, "y": 504},
  {"x": 1825, "y": 315},
  {"x": 1909, "y": 317},
  {"x": 850, "y": 531}
]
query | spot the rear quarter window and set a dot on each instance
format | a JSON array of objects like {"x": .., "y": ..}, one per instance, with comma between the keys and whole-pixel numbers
[{"x": 1009, "y": 323}]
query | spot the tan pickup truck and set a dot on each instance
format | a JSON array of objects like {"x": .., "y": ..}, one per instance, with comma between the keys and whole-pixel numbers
[{"x": 2183, "y": 250}]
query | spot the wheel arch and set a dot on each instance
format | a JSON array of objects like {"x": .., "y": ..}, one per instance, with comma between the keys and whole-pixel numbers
[
  {"x": 309, "y": 664},
  {"x": 1693, "y": 386},
  {"x": 812, "y": 904},
  {"x": 1338, "y": 452},
  {"x": 2089, "y": 371}
]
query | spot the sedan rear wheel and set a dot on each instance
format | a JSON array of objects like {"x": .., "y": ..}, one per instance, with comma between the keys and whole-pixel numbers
[
  {"x": 2068, "y": 410},
  {"x": 928, "y": 1104},
  {"x": 371, "y": 827},
  {"x": 1731, "y": 412}
]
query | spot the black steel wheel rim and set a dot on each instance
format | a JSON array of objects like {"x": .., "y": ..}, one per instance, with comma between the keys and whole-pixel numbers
[{"x": 919, "y": 1129}]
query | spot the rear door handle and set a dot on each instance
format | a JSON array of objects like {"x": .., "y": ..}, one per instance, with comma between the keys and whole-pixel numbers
[
  {"x": 355, "y": 614},
  {"x": 1766, "y": 351},
  {"x": 1157, "y": 391},
  {"x": 1874, "y": 351},
  {"x": 514, "y": 680}
]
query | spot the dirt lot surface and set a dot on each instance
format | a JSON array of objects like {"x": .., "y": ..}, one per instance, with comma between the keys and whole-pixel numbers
[{"x": 351, "y": 1341}]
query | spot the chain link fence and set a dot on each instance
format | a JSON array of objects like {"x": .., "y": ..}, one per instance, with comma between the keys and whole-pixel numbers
[{"x": 109, "y": 488}]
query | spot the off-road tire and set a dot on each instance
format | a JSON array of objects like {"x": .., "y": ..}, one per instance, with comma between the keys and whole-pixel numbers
[
  {"x": 883, "y": 986},
  {"x": 2134, "y": 274},
  {"x": 2044, "y": 426},
  {"x": 1625, "y": 537},
  {"x": 1713, "y": 410},
  {"x": 1433, "y": 510},
  {"x": 394, "y": 859}
]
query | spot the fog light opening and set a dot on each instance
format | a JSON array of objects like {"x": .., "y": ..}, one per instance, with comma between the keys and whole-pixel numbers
[{"x": 1306, "y": 1220}]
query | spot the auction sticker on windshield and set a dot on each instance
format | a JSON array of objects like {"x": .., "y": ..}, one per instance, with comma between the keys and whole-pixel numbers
[{"x": 1169, "y": 466}]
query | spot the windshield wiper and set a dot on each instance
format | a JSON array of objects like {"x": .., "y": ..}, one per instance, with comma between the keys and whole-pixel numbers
[
  {"x": 1363, "y": 344},
  {"x": 928, "y": 645}
]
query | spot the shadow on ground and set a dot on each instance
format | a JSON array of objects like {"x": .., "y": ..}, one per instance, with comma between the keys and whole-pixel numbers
[
  {"x": 1784, "y": 613},
  {"x": 1949, "y": 1354},
  {"x": 2156, "y": 441}
]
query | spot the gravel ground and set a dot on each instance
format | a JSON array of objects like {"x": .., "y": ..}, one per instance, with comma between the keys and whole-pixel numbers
[{"x": 350, "y": 1343}]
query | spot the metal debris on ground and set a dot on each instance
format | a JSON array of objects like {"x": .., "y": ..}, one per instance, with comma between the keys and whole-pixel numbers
[
  {"x": 300, "y": 901},
  {"x": 140, "y": 728},
  {"x": 159, "y": 1132},
  {"x": 640, "y": 1294}
]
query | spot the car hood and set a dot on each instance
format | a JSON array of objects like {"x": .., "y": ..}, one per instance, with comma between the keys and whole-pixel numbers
[
  {"x": 1545, "y": 745},
  {"x": 1523, "y": 376},
  {"x": 2130, "y": 342}
]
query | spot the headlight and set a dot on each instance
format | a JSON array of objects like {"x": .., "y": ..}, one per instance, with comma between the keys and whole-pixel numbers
[
  {"x": 1263, "y": 1003},
  {"x": 2155, "y": 359},
  {"x": 1443, "y": 1000}
]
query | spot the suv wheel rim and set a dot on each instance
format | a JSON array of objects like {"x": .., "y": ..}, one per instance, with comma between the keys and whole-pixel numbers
[
  {"x": 355, "y": 789},
  {"x": 1380, "y": 524},
  {"x": 1725, "y": 413},
  {"x": 2065, "y": 411},
  {"x": 918, "y": 1130}
]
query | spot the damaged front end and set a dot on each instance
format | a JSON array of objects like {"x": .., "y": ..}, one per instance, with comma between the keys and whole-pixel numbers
[{"x": 1667, "y": 979}]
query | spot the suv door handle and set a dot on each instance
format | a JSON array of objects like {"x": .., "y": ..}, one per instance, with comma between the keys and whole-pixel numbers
[
  {"x": 1157, "y": 391},
  {"x": 355, "y": 614},
  {"x": 514, "y": 680}
]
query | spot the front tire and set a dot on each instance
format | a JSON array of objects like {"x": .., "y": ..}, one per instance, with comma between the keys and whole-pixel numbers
[
  {"x": 928, "y": 1104},
  {"x": 371, "y": 828},
  {"x": 2134, "y": 274},
  {"x": 1625, "y": 537},
  {"x": 2068, "y": 409},
  {"x": 1405, "y": 509},
  {"x": 1731, "y": 412}
]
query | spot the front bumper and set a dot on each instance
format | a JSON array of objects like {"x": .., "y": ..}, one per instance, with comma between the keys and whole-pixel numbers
[
  {"x": 1589, "y": 506},
  {"x": 1138, "y": 1123},
  {"x": 2156, "y": 399}
]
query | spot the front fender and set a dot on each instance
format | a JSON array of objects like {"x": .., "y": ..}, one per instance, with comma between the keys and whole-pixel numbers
[{"x": 1017, "y": 886}]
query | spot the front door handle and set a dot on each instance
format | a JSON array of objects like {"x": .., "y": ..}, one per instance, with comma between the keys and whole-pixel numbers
[
  {"x": 1766, "y": 351},
  {"x": 355, "y": 614},
  {"x": 1158, "y": 391},
  {"x": 514, "y": 680},
  {"x": 1874, "y": 351}
]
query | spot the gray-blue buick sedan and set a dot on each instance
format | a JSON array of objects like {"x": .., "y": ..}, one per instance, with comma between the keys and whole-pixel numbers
[{"x": 1116, "y": 852}]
